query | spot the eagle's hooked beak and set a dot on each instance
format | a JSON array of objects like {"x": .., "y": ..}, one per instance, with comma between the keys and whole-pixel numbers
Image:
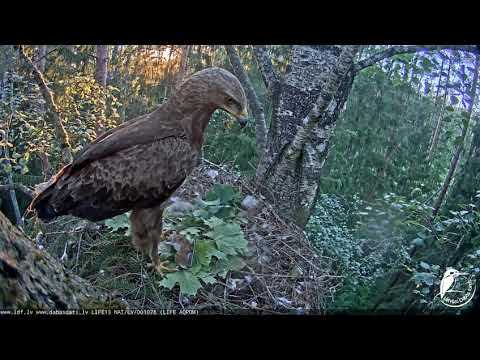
[{"x": 242, "y": 118}]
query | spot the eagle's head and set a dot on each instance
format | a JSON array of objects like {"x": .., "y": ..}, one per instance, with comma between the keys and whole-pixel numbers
[{"x": 225, "y": 92}]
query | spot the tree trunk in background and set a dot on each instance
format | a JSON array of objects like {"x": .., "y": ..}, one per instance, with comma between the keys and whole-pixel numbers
[
  {"x": 40, "y": 63},
  {"x": 112, "y": 76},
  {"x": 41, "y": 57},
  {"x": 313, "y": 92},
  {"x": 6, "y": 154},
  {"x": 51, "y": 108},
  {"x": 101, "y": 65},
  {"x": 32, "y": 279},
  {"x": 168, "y": 72},
  {"x": 183, "y": 66},
  {"x": 440, "y": 112},
  {"x": 101, "y": 74},
  {"x": 459, "y": 147}
]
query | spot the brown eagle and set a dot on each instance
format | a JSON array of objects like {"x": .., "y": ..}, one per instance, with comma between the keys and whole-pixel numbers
[{"x": 138, "y": 165}]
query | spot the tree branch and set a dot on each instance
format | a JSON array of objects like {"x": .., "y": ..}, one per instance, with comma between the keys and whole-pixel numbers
[
  {"x": 52, "y": 110},
  {"x": 19, "y": 187},
  {"x": 269, "y": 75},
  {"x": 254, "y": 104},
  {"x": 406, "y": 49}
]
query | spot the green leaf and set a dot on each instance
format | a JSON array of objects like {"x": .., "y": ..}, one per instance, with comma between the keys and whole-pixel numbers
[
  {"x": 229, "y": 238},
  {"x": 189, "y": 283},
  {"x": 232, "y": 263},
  {"x": 118, "y": 222},
  {"x": 204, "y": 250},
  {"x": 225, "y": 193},
  {"x": 213, "y": 222},
  {"x": 206, "y": 278}
]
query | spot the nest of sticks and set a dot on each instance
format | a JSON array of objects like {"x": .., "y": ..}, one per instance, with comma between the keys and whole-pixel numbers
[{"x": 284, "y": 273}]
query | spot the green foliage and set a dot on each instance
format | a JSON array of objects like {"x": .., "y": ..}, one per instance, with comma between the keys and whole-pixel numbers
[
  {"x": 227, "y": 143},
  {"x": 118, "y": 223},
  {"x": 383, "y": 137},
  {"x": 86, "y": 108},
  {"x": 367, "y": 239},
  {"x": 213, "y": 228},
  {"x": 218, "y": 240},
  {"x": 453, "y": 242}
]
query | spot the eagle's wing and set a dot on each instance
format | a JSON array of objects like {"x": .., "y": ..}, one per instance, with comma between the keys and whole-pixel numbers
[
  {"x": 141, "y": 130},
  {"x": 144, "y": 130},
  {"x": 140, "y": 176}
]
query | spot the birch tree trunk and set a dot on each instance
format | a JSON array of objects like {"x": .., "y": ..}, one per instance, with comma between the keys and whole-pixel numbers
[{"x": 313, "y": 92}]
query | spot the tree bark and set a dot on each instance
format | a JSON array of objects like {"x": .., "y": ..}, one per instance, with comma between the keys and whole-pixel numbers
[
  {"x": 32, "y": 279},
  {"x": 314, "y": 91},
  {"x": 182, "y": 71},
  {"x": 51, "y": 108},
  {"x": 101, "y": 65},
  {"x": 101, "y": 74},
  {"x": 459, "y": 147},
  {"x": 269, "y": 75},
  {"x": 41, "y": 57},
  {"x": 6, "y": 153}
]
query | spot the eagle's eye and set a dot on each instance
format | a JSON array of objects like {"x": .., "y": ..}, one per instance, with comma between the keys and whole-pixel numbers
[{"x": 230, "y": 101}]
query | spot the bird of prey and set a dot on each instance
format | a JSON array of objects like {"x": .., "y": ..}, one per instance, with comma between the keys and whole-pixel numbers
[{"x": 138, "y": 165}]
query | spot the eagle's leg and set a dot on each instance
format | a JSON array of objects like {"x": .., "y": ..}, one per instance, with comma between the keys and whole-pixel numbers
[{"x": 146, "y": 226}]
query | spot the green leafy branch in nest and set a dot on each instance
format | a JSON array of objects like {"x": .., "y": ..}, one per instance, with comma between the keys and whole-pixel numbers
[{"x": 212, "y": 227}]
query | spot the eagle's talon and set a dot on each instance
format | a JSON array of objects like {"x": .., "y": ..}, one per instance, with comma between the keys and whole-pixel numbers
[{"x": 161, "y": 268}]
